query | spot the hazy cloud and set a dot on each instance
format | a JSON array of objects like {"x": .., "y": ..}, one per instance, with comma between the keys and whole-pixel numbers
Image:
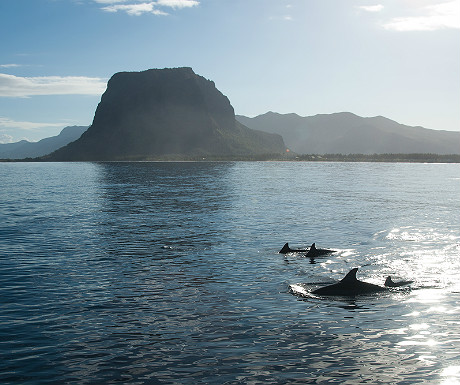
[
  {"x": 284, "y": 15},
  {"x": 372, "y": 8},
  {"x": 9, "y": 123},
  {"x": 137, "y": 8},
  {"x": 5, "y": 138},
  {"x": 177, "y": 3},
  {"x": 15, "y": 86},
  {"x": 9, "y": 65},
  {"x": 134, "y": 9},
  {"x": 429, "y": 18},
  {"x": 109, "y": 1}
]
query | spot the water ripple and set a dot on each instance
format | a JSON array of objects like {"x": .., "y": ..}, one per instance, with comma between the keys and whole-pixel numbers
[{"x": 146, "y": 273}]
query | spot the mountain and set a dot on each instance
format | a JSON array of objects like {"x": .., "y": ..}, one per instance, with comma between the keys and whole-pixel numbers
[
  {"x": 347, "y": 133},
  {"x": 25, "y": 149},
  {"x": 169, "y": 113}
]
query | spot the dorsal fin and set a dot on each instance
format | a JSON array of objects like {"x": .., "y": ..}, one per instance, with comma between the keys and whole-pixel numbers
[
  {"x": 389, "y": 281},
  {"x": 285, "y": 249},
  {"x": 351, "y": 276}
]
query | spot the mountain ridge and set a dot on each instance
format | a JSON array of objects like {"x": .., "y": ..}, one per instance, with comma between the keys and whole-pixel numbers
[
  {"x": 25, "y": 149},
  {"x": 348, "y": 133}
]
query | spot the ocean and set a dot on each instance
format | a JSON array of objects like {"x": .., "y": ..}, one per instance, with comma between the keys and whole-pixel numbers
[{"x": 169, "y": 273}]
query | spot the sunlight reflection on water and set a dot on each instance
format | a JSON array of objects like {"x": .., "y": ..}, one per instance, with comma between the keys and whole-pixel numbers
[
  {"x": 451, "y": 375},
  {"x": 144, "y": 273}
]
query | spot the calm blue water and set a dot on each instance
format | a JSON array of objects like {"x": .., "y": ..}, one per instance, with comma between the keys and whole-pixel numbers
[{"x": 168, "y": 273}]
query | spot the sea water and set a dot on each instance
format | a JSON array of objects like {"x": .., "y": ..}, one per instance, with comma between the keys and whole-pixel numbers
[{"x": 169, "y": 273}]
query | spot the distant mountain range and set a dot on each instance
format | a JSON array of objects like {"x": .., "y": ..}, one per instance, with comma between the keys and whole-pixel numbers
[
  {"x": 347, "y": 133},
  {"x": 174, "y": 113},
  {"x": 26, "y": 149},
  {"x": 169, "y": 113}
]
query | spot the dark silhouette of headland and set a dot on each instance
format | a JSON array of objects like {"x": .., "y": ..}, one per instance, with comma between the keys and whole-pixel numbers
[{"x": 165, "y": 114}]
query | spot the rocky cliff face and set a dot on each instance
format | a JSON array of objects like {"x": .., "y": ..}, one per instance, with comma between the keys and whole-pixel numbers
[{"x": 167, "y": 112}]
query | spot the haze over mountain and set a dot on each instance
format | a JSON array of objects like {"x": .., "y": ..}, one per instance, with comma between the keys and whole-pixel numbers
[
  {"x": 165, "y": 113},
  {"x": 26, "y": 149},
  {"x": 174, "y": 113},
  {"x": 347, "y": 133}
]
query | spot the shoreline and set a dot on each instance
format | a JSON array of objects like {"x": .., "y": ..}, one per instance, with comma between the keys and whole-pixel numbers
[{"x": 348, "y": 158}]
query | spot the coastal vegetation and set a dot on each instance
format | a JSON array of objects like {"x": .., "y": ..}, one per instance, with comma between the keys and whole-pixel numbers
[{"x": 384, "y": 158}]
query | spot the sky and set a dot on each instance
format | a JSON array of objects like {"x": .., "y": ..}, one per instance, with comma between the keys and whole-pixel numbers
[{"x": 397, "y": 58}]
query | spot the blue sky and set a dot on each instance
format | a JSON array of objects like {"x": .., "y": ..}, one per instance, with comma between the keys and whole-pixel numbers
[{"x": 396, "y": 58}]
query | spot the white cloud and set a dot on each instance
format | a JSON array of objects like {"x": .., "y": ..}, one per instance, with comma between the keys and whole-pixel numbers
[
  {"x": 134, "y": 9},
  {"x": 9, "y": 65},
  {"x": 177, "y": 3},
  {"x": 283, "y": 18},
  {"x": 109, "y": 1},
  {"x": 372, "y": 8},
  {"x": 137, "y": 8},
  {"x": 432, "y": 17},
  {"x": 9, "y": 123},
  {"x": 15, "y": 86},
  {"x": 5, "y": 138}
]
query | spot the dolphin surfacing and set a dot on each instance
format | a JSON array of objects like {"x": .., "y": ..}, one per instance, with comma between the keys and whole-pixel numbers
[
  {"x": 312, "y": 252},
  {"x": 389, "y": 283},
  {"x": 349, "y": 286},
  {"x": 286, "y": 249}
]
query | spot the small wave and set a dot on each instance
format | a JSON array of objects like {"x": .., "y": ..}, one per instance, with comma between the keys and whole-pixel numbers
[{"x": 299, "y": 290}]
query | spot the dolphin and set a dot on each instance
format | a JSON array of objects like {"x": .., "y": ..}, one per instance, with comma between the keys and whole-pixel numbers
[
  {"x": 311, "y": 252},
  {"x": 314, "y": 252},
  {"x": 286, "y": 249},
  {"x": 389, "y": 282},
  {"x": 349, "y": 286}
]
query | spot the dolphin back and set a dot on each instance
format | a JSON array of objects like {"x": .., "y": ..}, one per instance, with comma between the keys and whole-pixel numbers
[
  {"x": 349, "y": 286},
  {"x": 390, "y": 283}
]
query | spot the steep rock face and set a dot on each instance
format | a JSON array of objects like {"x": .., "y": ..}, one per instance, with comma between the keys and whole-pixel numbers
[{"x": 168, "y": 112}]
